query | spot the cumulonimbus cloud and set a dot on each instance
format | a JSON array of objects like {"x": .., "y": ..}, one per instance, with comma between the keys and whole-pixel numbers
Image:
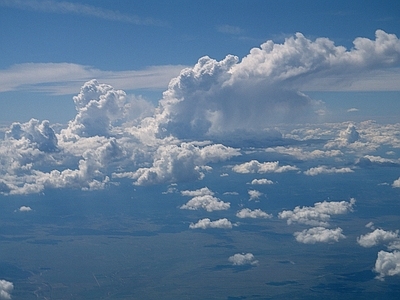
[{"x": 265, "y": 86}]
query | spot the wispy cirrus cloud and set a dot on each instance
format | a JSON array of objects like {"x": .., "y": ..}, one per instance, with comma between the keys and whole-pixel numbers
[
  {"x": 66, "y": 78},
  {"x": 64, "y": 7}
]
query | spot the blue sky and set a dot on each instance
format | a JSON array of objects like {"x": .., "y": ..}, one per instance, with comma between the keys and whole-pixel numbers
[
  {"x": 162, "y": 144},
  {"x": 89, "y": 37}
]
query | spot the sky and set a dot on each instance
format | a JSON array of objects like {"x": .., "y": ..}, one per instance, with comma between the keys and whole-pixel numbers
[{"x": 255, "y": 122}]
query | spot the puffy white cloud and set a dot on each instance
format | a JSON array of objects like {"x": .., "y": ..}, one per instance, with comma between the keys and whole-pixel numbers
[
  {"x": 369, "y": 160},
  {"x": 254, "y": 214},
  {"x": 181, "y": 162},
  {"x": 200, "y": 192},
  {"x": 376, "y": 237},
  {"x": 37, "y": 135},
  {"x": 387, "y": 264},
  {"x": 207, "y": 223},
  {"x": 325, "y": 170},
  {"x": 207, "y": 202},
  {"x": 317, "y": 215},
  {"x": 319, "y": 235},
  {"x": 264, "y": 87},
  {"x": 6, "y": 287},
  {"x": 242, "y": 259},
  {"x": 254, "y": 166},
  {"x": 396, "y": 183},
  {"x": 261, "y": 181},
  {"x": 254, "y": 194},
  {"x": 25, "y": 208}
]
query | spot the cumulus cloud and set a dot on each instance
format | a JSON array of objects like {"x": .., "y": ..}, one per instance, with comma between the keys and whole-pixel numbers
[
  {"x": 25, "y": 208},
  {"x": 254, "y": 214},
  {"x": 261, "y": 181},
  {"x": 387, "y": 264},
  {"x": 317, "y": 215},
  {"x": 370, "y": 160},
  {"x": 326, "y": 170},
  {"x": 264, "y": 87},
  {"x": 376, "y": 237},
  {"x": 207, "y": 223},
  {"x": 396, "y": 183},
  {"x": 254, "y": 194},
  {"x": 6, "y": 288},
  {"x": 319, "y": 235},
  {"x": 207, "y": 202},
  {"x": 200, "y": 192},
  {"x": 242, "y": 259},
  {"x": 254, "y": 166},
  {"x": 180, "y": 163},
  {"x": 34, "y": 134}
]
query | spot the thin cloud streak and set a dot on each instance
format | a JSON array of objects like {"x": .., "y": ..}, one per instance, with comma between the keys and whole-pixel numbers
[
  {"x": 64, "y": 7},
  {"x": 67, "y": 78}
]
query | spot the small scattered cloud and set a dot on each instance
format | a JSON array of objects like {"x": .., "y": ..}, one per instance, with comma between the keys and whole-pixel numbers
[
  {"x": 207, "y": 223},
  {"x": 350, "y": 110},
  {"x": 317, "y": 215},
  {"x": 25, "y": 208},
  {"x": 254, "y": 214},
  {"x": 326, "y": 170},
  {"x": 261, "y": 181},
  {"x": 6, "y": 287},
  {"x": 254, "y": 166},
  {"x": 254, "y": 195},
  {"x": 206, "y": 202},
  {"x": 229, "y": 29},
  {"x": 396, "y": 183},
  {"x": 319, "y": 235},
  {"x": 387, "y": 264},
  {"x": 378, "y": 236},
  {"x": 242, "y": 259}
]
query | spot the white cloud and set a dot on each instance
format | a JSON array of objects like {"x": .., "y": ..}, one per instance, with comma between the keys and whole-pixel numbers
[
  {"x": 207, "y": 202},
  {"x": 216, "y": 97},
  {"x": 261, "y": 181},
  {"x": 319, "y": 235},
  {"x": 255, "y": 166},
  {"x": 369, "y": 160},
  {"x": 64, "y": 7},
  {"x": 254, "y": 214},
  {"x": 352, "y": 110},
  {"x": 181, "y": 162},
  {"x": 207, "y": 223},
  {"x": 67, "y": 78},
  {"x": 396, "y": 183},
  {"x": 346, "y": 138},
  {"x": 319, "y": 214},
  {"x": 387, "y": 264},
  {"x": 254, "y": 194},
  {"x": 325, "y": 170},
  {"x": 229, "y": 29},
  {"x": 376, "y": 237},
  {"x": 200, "y": 192},
  {"x": 25, "y": 208},
  {"x": 305, "y": 155},
  {"x": 241, "y": 259},
  {"x": 6, "y": 288}
]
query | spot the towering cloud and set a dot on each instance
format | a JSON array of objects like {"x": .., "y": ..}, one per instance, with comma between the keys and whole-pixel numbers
[{"x": 265, "y": 87}]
